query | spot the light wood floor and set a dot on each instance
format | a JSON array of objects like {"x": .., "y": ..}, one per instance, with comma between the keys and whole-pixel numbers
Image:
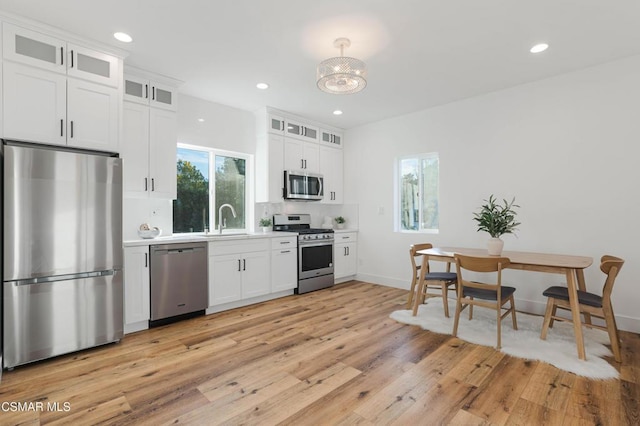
[{"x": 329, "y": 357}]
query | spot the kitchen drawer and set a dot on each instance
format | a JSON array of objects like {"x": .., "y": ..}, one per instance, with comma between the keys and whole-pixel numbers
[
  {"x": 345, "y": 237},
  {"x": 217, "y": 248},
  {"x": 283, "y": 242}
]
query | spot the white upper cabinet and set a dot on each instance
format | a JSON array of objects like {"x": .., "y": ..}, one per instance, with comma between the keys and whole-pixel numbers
[
  {"x": 91, "y": 65},
  {"x": 301, "y": 155},
  {"x": 59, "y": 93},
  {"x": 269, "y": 167},
  {"x": 92, "y": 115},
  {"x": 331, "y": 137},
  {"x": 331, "y": 167},
  {"x": 33, "y": 48},
  {"x": 305, "y": 148},
  {"x": 149, "y": 135},
  {"x": 148, "y": 92},
  {"x": 149, "y": 140},
  {"x": 34, "y": 104},
  {"x": 50, "y": 53},
  {"x": 163, "y": 136},
  {"x": 275, "y": 124},
  {"x": 295, "y": 129}
]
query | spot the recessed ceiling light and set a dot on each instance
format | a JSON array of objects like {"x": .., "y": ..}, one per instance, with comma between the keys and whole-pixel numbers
[
  {"x": 539, "y": 48},
  {"x": 262, "y": 86},
  {"x": 201, "y": 120},
  {"x": 123, "y": 37},
  {"x": 337, "y": 112}
]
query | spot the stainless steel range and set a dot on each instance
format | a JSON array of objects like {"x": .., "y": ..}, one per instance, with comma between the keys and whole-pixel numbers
[{"x": 315, "y": 251}]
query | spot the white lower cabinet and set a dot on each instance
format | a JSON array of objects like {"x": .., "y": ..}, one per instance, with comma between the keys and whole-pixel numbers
[
  {"x": 238, "y": 269},
  {"x": 137, "y": 293},
  {"x": 284, "y": 264},
  {"x": 345, "y": 254}
]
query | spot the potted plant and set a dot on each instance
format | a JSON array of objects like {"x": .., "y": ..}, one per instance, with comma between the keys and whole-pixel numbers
[
  {"x": 265, "y": 223},
  {"x": 497, "y": 220},
  {"x": 340, "y": 221}
]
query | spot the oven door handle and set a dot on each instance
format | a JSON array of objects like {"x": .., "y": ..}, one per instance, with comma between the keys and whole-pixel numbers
[{"x": 319, "y": 243}]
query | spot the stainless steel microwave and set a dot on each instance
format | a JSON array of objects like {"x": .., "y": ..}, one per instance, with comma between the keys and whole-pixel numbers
[{"x": 302, "y": 186}]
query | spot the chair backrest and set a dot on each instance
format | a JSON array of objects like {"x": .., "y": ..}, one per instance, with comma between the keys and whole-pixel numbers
[
  {"x": 610, "y": 265},
  {"x": 413, "y": 254},
  {"x": 481, "y": 264}
]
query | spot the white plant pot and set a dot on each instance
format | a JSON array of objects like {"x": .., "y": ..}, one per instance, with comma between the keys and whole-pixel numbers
[
  {"x": 340, "y": 225},
  {"x": 494, "y": 246},
  {"x": 266, "y": 229}
]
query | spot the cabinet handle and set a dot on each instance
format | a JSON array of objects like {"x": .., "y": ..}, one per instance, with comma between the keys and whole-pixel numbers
[
  {"x": 348, "y": 252},
  {"x": 72, "y": 128},
  {"x": 146, "y": 91},
  {"x": 304, "y": 131},
  {"x": 72, "y": 61},
  {"x": 244, "y": 264},
  {"x": 153, "y": 184},
  {"x": 146, "y": 185},
  {"x": 153, "y": 93},
  {"x": 285, "y": 251},
  {"x": 282, "y": 126},
  {"x": 239, "y": 265},
  {"x": 301, "y": 163},
  {"x": 285, "y": 242},
  {"x": 61, "y": 127},
  {"x": 305, "y": 164},
  {"x": 146, "y": 264},
  {"x": 61, "y": 55}
]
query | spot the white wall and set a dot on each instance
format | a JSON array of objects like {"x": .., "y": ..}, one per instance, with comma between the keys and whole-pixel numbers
[{"x": 567, "y": 148}]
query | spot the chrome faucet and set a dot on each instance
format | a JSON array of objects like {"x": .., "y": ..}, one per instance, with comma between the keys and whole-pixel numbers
[{"x": 233, "y": 211}]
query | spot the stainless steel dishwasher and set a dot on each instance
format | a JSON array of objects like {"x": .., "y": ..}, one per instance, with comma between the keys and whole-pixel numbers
[{"x": 179, "y": 284}]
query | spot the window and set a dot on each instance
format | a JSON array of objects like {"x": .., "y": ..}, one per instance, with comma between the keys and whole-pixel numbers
[
  {"x": 417, "y": 193},
  {"x": 207, "y": 179}
]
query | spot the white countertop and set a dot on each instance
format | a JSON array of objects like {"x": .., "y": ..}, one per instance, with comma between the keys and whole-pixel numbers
[{"x": 187, "y": 238}]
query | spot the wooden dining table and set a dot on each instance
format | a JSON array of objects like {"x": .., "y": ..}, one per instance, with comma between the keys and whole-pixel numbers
[{"x": 571, "y": 266}]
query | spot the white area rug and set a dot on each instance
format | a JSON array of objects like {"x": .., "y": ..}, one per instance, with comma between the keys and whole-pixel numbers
[{"x": 559, "y": 349}]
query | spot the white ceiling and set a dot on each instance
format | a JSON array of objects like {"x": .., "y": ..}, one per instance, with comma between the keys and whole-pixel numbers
[{"x": 420, "y": 53}]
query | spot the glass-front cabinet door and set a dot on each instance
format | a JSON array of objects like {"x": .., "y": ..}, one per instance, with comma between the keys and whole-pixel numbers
[
  {"x": 91, "y": 65},
  {"x": 136, "y": 89},
  {"x": 329, "y": 137},
  {"x": 146, "y": 92},
  {"x": 301, "y": 131},
  {"x": 33, "y": 48},
  {"x": 163, "y": 96},
  {"x": 276, "y": 124}
]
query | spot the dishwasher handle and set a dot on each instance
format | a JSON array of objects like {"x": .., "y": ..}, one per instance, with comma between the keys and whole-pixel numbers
[{"x": 168, "y": 250}]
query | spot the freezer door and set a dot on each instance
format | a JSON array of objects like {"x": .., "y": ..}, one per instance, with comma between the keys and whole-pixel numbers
[
  {"x": 62, "y": 212},
  {"x": 56, "y": 317}
]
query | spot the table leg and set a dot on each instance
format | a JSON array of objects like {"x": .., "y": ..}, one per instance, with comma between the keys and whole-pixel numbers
[
  {"x": 418, "y": 298},
  {"x": 575, "y": 311},
  {"x": 583, "y": 287}
]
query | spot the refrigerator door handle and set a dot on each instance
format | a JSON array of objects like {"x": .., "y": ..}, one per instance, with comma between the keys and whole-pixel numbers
[{"x": 40, "y": 280}]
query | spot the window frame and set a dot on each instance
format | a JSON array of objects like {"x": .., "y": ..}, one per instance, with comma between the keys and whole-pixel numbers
[
  {"x": 249, "y": 189},
  {"x": 397, "y": 201}
]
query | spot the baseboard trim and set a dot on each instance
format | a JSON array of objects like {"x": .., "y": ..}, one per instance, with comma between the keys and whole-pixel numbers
[{"x": 624, "y": 323}]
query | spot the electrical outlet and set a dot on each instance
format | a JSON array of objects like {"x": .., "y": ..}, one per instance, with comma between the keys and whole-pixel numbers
[{"x": 380, "y": 210}]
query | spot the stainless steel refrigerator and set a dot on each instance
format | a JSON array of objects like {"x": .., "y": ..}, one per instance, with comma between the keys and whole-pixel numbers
[{"x": 62, "y": 254}]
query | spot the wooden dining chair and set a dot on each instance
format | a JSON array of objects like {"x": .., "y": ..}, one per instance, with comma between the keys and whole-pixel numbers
[
  {"x": 590, "y": 304},
  {"x": 488, "y": 295},
  {"x": 440, "y": 281}
]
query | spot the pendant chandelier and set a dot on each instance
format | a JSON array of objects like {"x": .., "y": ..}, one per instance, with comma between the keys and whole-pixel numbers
[{"x": 342, "y": 75}]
